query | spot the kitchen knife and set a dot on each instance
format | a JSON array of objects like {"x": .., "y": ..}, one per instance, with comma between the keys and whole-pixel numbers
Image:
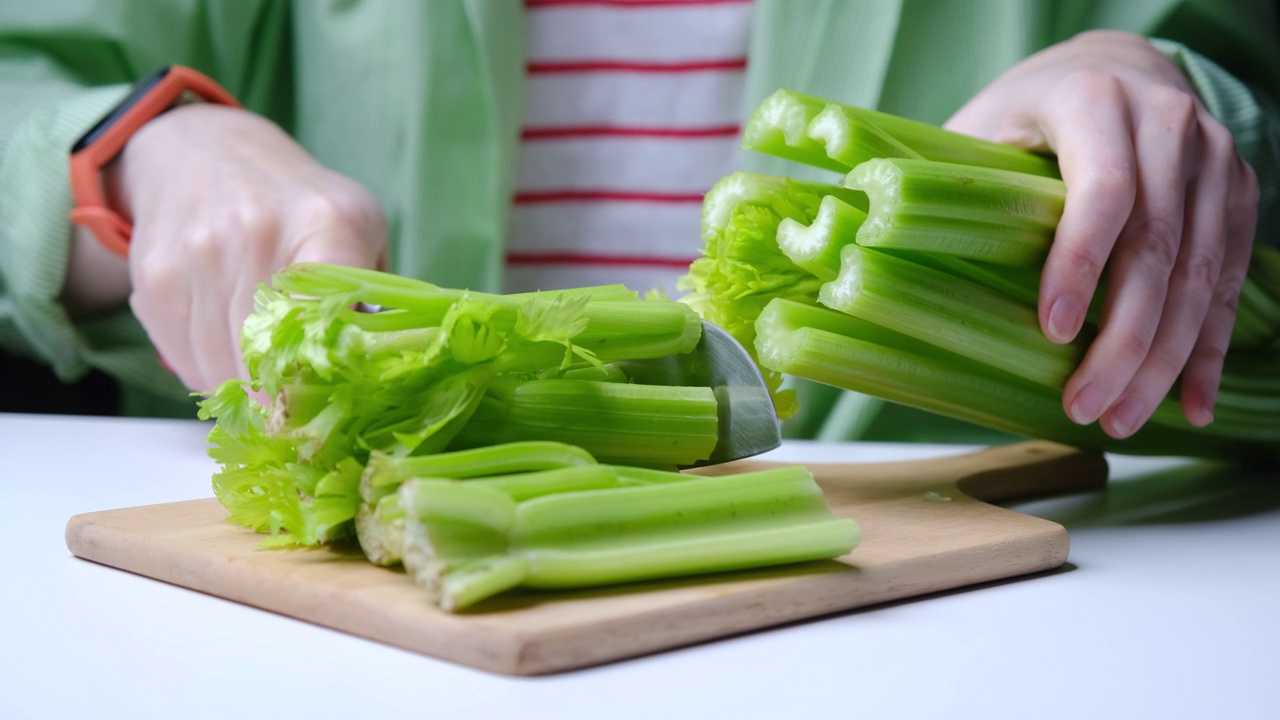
[{"x": 748, "y": 424}]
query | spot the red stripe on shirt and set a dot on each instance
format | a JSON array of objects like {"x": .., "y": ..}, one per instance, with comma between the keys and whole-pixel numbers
[
  {"x": 585, "y": 66},
  {"x": 546, "y": 196},
  {"x": 628, "y": 4},
  {"x": 528, "y": 258},
  {"x": 556, "y": 133}
]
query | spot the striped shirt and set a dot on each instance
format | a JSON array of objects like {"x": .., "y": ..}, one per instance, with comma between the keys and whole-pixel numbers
[{"x": 631, "y": 115}]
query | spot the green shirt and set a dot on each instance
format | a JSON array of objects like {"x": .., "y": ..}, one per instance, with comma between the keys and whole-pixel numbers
[{"x": 421, "y": 103}]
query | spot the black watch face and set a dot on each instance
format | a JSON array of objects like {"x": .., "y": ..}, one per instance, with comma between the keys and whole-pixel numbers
[{"x": 140, "y": 91}]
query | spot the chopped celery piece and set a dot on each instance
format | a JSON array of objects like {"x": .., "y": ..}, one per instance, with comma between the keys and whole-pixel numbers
[
  {"x": 466, "y": 541},
  {"x": 950, "y": 312},
  {"x": 995, "y": 216},
  {"x": 380, "y": 530},
  {"x": 384, "y": 473}
]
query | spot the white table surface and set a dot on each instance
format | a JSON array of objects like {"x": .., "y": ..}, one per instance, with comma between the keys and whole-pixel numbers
[{"x": 1169, "y": 607}]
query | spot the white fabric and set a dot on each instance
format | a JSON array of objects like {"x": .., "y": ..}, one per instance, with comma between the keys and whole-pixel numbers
[{"x": 631, "y": 115}]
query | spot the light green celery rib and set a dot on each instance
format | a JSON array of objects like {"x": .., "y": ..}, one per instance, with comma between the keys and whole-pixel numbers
[
  {"x": 935, "y": 143},
  {"x": 835, "y": 136},
  {"x": 409, "y": 294},
  {"x": 816, "y": 247},
  {"x": 613, "y": 331},
  {"x": 296, "y": 405},
  {"x": 788, "y": 197},
  {"x": 952, "y": 313},
  {"x": 1019, "y": 282},
  {"x": 617, "y": 325},
  {"x": 709, "y": 525},
  {"x": 461, "y": 552},
  {"x": 945, "y": 383},
  {"x": 779, "y": 126},
  {"x": 524, "y": 486},
  {"x": 742, "y": 267},
  {"x": 996, "y": 216},
  {"x": 615, "y": 422},
  {"x": 383, "y": 473},
  {"x": 380, "y": 530},
  {"x": 601, "y": 373}
]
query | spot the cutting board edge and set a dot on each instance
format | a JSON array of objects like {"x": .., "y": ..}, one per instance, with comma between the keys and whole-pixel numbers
[
  {"x": 515, "y": 653},
  {"x": 84, "y": 540},
  {"x": 558, "y": 652}
]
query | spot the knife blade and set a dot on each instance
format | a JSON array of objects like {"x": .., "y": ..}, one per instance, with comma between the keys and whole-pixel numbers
[{"x": 748, "y": 424}]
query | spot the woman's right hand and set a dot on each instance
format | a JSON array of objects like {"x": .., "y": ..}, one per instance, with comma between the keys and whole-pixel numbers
[{"x": 221, "y": 199}]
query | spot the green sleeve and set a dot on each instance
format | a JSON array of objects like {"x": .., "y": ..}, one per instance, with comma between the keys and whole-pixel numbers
[
  {"x": 61, "y": 69},
  {"x": 1253, "y": 121}
]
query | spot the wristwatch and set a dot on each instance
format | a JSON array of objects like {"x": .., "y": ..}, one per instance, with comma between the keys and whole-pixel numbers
[{"x": 157, "y": 94}]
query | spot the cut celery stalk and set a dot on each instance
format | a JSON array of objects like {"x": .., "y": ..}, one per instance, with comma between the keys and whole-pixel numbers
[
  {"x": 900, "y": 369},
  {"x": 409, "y": 294},
  {"x": 742, "y": 267},
  {"x": 465, "y": 541},
  {"x": 995, "y": 216},
  {"x": 384, "y": 473},
  {"x": 952, "y": 313},
  {"x": 379, "y": 521},
  {"x": 380, "y": 530},
  {"x": 816, "y": 247},
  {"x": 838, "y": 137},
  {"x": 618, "y": 423},
  {"x": 935, "y": 143},
  {"x": 797, "y": 199},
  {"x": 779, "y": 126}
]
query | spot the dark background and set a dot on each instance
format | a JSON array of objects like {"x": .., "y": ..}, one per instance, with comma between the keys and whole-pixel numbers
[{"x": 29, "y": 387}]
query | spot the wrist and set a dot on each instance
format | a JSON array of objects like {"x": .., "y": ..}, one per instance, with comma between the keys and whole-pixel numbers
[{"x": 105, "y": 142}]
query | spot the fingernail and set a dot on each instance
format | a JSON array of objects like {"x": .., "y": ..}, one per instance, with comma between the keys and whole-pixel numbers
[
  {"x": 1064, "y": 320},
  {"x": 1088, "y": 404},
  {"x": 1200, "y": 415},
  {"x": 1125, "y": 417},
  {"x": 1203, "y": 418}
]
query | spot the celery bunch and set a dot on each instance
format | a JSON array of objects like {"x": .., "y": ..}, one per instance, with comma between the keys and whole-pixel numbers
[
  {"x": 466, "y": 436},
  {"x": 443, "y": 369},
  {"x": 921, "y": 288}
]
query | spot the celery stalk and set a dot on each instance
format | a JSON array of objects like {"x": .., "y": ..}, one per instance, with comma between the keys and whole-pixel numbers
[
  {"x": 900, "y": 369},
  {"x": 465, "y": 542},
  {"x": 742, "y": 267},
  {"x": 995, "y": 216},
  {"x": 779, "y": 126},
  {"x": 952, "y": 313},
  {"x": 538, "y": 467},
  {"x": 615, "y": 422},
  {"x": 816, "y": 247},
  {"x": 384, "y": 473},
  {"x": 935, "y": 143},
  {"x": 838, "y": 137}
]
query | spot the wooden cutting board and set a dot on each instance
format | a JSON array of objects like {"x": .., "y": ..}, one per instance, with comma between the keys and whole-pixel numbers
[{"x": 926, "y": 526}]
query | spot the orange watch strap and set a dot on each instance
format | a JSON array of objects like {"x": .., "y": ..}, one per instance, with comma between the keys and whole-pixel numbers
[{"x": 106, "y": 141}]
